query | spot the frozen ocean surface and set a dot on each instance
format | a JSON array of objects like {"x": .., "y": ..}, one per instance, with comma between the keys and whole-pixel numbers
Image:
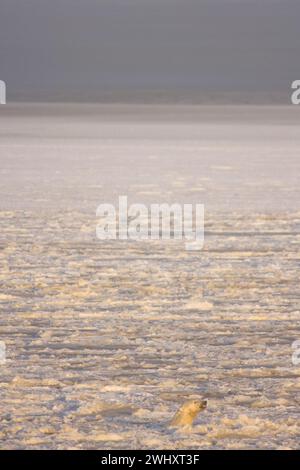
[{"x": 106, "y": 339}]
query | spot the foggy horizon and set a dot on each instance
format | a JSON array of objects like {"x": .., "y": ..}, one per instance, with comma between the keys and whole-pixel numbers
[{"x": 92, "y": 49}]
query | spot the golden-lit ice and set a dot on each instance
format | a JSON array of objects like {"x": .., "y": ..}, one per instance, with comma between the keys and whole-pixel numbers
[{"x": 106, "y": 340}]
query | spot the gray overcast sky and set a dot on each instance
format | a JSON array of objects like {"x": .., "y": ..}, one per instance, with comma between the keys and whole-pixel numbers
[{"x": 71, "y": 46}]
